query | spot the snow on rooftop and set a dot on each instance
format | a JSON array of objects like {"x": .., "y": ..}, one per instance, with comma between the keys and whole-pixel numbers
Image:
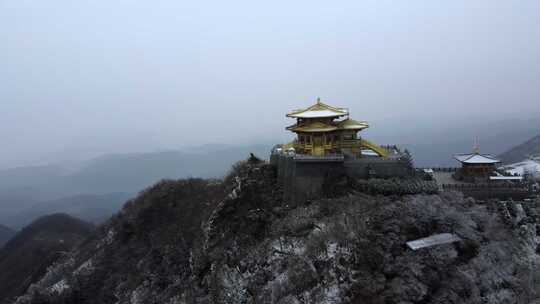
[
  {"x": 319, "y": 113},
  {"x": 506, "y": 177},
  {"x": 476, "y": 158},
  {"x": 354, "y": 126},
  {"x": 368, "y": 152},
  {"x": 436, "y": 239}
]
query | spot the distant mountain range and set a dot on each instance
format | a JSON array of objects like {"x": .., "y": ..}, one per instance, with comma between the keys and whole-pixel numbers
[
  {"x": 522, "y": 151},
  {"x": 129, "y": 172},
  {"x": 5, "y": 235},
  {"x": 27, "y": 255},
  {"x": 435, "y": 146},
  {"x": 95, "y": 189},
  {"x": 88, "y": 207}
]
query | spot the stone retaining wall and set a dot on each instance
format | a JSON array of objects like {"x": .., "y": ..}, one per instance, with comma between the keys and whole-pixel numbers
[{"x": 303, "y": 180}]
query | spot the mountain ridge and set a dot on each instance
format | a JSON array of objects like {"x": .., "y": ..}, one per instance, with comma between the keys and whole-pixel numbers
[
  {"x": 6, "y": 234},
  {"x": 26, "y": 257},
  {"x": 126, "y": 173},
  {"x": 88, "y": 207},
  {"x": 237, "y": 241},
  {"x": 522, "y": 151}
]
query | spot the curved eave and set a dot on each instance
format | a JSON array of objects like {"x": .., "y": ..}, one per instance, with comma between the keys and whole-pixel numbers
[
  {"x": 312, "y": 130},
  {"x": 354, "y": 128},
  {"x": 317, "y": 114},
  {"x": 351, "y": 124}
]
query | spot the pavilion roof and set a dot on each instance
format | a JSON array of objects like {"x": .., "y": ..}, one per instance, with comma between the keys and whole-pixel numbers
[
  {"x": 318, "y": 110},
  {"x": 476, "y": 158},
  {"x": 316, "y": 126},
  {"x": 351, "y": 124}
]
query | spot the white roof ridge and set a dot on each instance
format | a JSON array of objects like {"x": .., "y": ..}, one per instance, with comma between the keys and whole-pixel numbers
[{"x": 476, "y": 158}]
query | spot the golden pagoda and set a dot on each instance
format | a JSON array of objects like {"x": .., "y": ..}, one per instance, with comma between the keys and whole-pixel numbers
[{"x": 327, "y": 130}]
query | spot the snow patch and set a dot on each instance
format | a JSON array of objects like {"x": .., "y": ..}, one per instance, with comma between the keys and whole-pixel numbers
[
  {"x": 527, "y": 166},
  {"x": 234, "y": 193},
  {"x": 86, "y": 268},
  {"x": 331, "y": 250},
  {"x": 332, "y": 295},
  {"x": 138, "y": 295},
  {"x": 107, "y": 240},
  {"x": 290, "y": 246},
  {"x": 59, "y": 287}
]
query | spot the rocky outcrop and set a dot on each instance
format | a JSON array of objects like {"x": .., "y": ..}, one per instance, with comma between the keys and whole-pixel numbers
[{"x": 237, "y": 241}]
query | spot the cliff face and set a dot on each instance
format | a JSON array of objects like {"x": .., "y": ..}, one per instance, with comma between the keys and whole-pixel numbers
[{"x": 200, "y": 241}]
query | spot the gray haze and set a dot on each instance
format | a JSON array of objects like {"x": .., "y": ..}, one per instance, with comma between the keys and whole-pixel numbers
[{"x": 82, "y": 78}]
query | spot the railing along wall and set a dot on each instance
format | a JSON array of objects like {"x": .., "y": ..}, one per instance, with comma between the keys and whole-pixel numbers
[
  {"x": 483, "y": 186},
  {"x": 440, "y": 169}
]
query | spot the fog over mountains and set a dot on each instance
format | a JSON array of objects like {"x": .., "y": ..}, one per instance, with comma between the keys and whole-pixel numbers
[
  {"x": 436, "y": 145},
  {"x": 5, "y": 235},
  {"x": 94, "y": 208},
  {"x": 523, "y": 151},
  {"x": 93, "y": 190}
]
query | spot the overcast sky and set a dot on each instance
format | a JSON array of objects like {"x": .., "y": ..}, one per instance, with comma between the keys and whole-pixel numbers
[{"x": 82, "y": 78}]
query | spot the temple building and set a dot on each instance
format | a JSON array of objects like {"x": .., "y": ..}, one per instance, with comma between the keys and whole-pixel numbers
[
  {"x": 480, "y": 177},
  {"x": 328, "y": 145},
  {"x": 476, "y": 165},
  {"x": 324, "y": 130}
]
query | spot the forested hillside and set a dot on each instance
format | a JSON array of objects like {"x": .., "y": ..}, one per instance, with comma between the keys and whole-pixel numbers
[
  {"x": 237, "y": 241},
  {"x": 26, "y": 257}
]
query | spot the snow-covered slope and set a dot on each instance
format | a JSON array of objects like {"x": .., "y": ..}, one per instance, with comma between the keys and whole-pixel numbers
[
  {"x": 523, "y": 151},
  {"x": 526, "y": 166},
  {"x": 191, "y": 241}
]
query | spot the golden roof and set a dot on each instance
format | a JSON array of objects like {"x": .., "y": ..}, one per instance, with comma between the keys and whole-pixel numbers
[
  {"x": 351, "y": 124},
  {"x": 319, "y": 110},
  {"x": 316, "y": 126}
]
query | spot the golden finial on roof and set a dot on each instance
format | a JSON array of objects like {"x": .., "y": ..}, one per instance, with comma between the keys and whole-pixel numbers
[{"x": 476, "y": 148}]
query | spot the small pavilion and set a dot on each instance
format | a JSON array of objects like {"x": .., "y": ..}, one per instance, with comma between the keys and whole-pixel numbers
[{"x": 476, "y": 164}]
